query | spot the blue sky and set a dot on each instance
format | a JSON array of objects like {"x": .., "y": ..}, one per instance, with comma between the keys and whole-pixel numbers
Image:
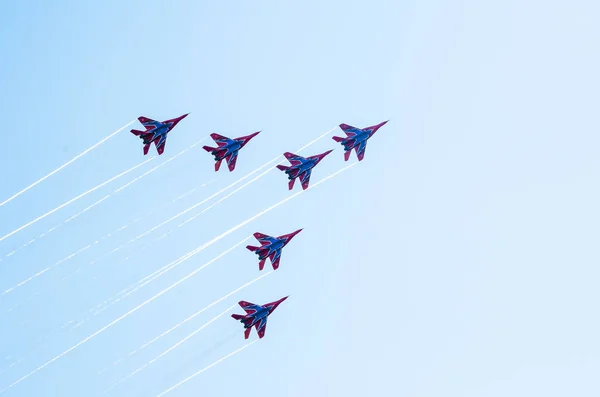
[{"x": 457, "y": 259}]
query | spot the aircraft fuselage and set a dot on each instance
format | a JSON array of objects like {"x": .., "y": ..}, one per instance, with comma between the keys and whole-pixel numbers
[
  {"x": 357, "y": 139},
  {"x": 256, "y": 317}
]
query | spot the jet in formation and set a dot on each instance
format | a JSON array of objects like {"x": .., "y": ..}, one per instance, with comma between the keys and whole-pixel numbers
[
  {"x": 227, "y": 149},
  {"x": 301, "y": 167},
  {"x": 256, "y": 316},
  {"x": 356, "y": 138},
  {"x": 271, "y": 248},
  {"x": 156, "y": 131}
]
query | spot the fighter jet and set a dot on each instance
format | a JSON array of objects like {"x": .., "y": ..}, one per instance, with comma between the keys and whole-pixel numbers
[
  {"x": 301, "y": 167},
  {"x": 256, "y": 315},
  {"x": 227, "y": 149},
  {"x": 271, "y": 248},
  {"x": 156, "y": 131},
  {"x": 356, "y": 139}
]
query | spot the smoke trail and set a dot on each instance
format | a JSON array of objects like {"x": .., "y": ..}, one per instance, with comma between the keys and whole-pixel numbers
[
  {"x": 207, "y": 368},
  {"x": 219, "y": 192},
  {"x": 147, "y": 214},
  {"x": 65, "y": 164},
  {"x": 107, "y": 196},
  {"x": 75, "y": 199},
  {"x": 160, "y": 165},
  {"x": 148, "y": 279},
  {"x": 22, "y": 283},
  {"x": 98, "y": 241},
  {"x": 225, "y": 197},
  {"x": 171, "y": 348},
  {"x": 168, "y": 267},
  {"x": 142, "y": 347},
  {"x": 172, "y": 285}
]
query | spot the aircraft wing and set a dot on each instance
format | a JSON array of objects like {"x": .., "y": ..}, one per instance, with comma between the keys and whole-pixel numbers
[
  {"x": 262, "y": 238},
  {"x": 250, "y": 308},
  {"x": 160, "y": 144},
  {"x": 219, "y": 139},
  {"x": 305, "y": 179},
  {"x": 261, "y": 327},
  {"x": 148, "y": 122},
  {"x": 360, "y": 150},
  {"x": 231, "y": 160},
  {"x": 294, "y": 159},
  {"x": 349, "y": 130},
  {"x": 275, "y": 258}
]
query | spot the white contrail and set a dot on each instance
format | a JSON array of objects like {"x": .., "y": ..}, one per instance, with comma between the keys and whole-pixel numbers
[
  {"x": 75, "y": 199},
  {"x": 157, "y": 209},
  {"x": 106, "y": 197},
  {"x": 148, "y": 279},
  {"x": 65, "y": 164},
  {"x": 22, "y": 283},
  {"x": 212, "y": 320},
  {"x": 225, "y": 197},
  {"x": 235, "y": 291},
  {"x": 199, "y": 203},
  {"x": 137, "y": 220},
  {"x": 201, "y": 311},
  {"x": 162, "y": 164},
  {"x": 58, "y": 226},
  {"x": 144, "y": 216},
  {"x": 212, "y": 196},
  {"x": 87, "y": 209},
  {"x": 115, "y": 232},
  {"x": 171, "y": 265},
  {"x": 226, "y": 188},
  {"x": 172, "y": 285},
  {"x": 207, "y": 368}
]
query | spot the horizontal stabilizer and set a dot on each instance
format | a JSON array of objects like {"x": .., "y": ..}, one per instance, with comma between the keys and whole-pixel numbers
[
  {"x": 338, "y": 138},
  {"x": 137, "y": 132},
  {"x": 252, "y": 248},
  {"x": 282, "y": 167},
  {"x": 208, "y": 148},
  {"x": 237, "y": 316}
]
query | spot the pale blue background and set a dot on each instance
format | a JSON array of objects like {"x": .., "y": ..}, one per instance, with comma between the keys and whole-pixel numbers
[{"x": 458, "y": 259}]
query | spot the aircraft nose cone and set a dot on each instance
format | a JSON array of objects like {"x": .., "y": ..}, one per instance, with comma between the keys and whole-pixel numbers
[
  {"x": 293, "y": 234},
  {"x": 327, "y": 152}
]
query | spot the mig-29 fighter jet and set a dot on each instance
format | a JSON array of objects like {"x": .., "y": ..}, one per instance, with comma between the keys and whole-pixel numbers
[
  {"x": 227, "y": 149},
  {"x": 256, "y": 316},
  {"x": 356, "y": 139},
  {"x": 301, "y": 167},
  {"x": 156, "y": 131},
  {"x": 271, "y": 248}
]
